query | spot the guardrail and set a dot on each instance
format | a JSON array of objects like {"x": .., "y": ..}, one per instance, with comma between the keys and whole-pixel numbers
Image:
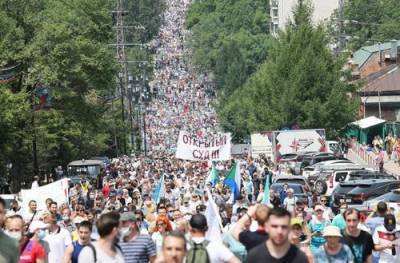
[{"x": 366, "y": 156}]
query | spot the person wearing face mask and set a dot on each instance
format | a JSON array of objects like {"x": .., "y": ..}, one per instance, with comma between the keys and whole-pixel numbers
[
  {"x": 66, "y": 220},
  {"x": 136, "y": 247},
  {"x": 72, "y": 252},
  {"x": 34, "y": 250},
  {"x": 339, "y": 220}
]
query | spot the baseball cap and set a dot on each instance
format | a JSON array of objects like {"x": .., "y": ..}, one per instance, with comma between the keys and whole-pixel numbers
[
  {"x": 389, "y": 222},
  {"x": 198, "y": 222},
  {"x": 296, "y": 221},
  {"x": 112, "y": 194},
  {"x": 332, "y": 231},
  {"x": 128, "y": 216},
  {"x": 37, "y": 224}
]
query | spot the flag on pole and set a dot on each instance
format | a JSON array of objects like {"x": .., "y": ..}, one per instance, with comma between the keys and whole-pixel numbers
[
  {"x": 233, "y": 181},
  {"x": 214, "y": 222},
  {"x": 159, "y": 191},
  {"x": 213, "y": 176},
  {"x": 266, "y": 190}
]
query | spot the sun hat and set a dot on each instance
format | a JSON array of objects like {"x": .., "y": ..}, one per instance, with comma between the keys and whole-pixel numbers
[{"x": 332, "y": 231}]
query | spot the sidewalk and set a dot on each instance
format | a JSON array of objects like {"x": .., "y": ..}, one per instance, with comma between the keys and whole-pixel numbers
[{"x": 392, "y": 167}]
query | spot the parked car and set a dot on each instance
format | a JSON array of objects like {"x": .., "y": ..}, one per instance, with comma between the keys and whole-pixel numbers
[
  {"x": 289, "y": 160},
  {"x": 325, "y": 184},
  {"x": 339, "y": 193},
  {"x": 316, "y": 168},
  {"x": 299, "y": 190},
  {"x": 369, "y": 189},
  {"x": 296, "y": 179},
  {"x": 392, "y": 199}
]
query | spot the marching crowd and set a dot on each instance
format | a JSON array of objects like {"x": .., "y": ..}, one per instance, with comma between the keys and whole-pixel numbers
[
  {"x": 125, "y": 221},
  {"x": 183, "y": 100}
]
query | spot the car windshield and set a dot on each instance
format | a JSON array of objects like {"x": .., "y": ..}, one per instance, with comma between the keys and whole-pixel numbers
[
  {"x": 91, "y": 170},
  {"x": 296, "y": 188},
  {"x": 288, "y": 180}
]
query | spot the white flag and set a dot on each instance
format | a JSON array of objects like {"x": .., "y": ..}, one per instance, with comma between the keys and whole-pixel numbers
[{"x": 213, "y": 220}]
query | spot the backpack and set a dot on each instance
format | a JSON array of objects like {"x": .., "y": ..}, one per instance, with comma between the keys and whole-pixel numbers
[
  {"x": 95, "y": 253},
  {"x": 198, "y": 253}
]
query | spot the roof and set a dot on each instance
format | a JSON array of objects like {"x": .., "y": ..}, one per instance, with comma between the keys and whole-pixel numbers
[
  {"x": 363, "y": 54},
  {"x": 86, "y": 162},
  {"x": 368, "y": 122},
  {"x": 388, "y": 82}
]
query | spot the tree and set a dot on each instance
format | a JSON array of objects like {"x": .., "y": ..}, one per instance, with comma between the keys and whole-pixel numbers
[{"x": 299, "y": 85}]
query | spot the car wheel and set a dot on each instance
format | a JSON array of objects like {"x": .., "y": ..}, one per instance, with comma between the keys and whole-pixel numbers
[{"x": 320, "y": 187}]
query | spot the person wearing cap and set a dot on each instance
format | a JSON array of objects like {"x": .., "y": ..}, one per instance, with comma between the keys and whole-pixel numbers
[
  {"x": 298, "y": 238},
  {"x": 251, "y": 239},
  {"x": 316, "y": 226},
  {"x": 359, "y": 241},
  {"x": 113, "y": 204},
  {"x": 333, "y": 251},
  {"x": 84, "y": 233},
  {"x": 217, "y": 252},
  {"x": 136, "y": 247},
  {"x": 387, "y": 240}
]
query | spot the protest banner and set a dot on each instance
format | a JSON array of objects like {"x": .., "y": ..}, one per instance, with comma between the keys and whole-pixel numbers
[
  {"x": 57, "y": 191},
  {"x": 195, "y": 148}
]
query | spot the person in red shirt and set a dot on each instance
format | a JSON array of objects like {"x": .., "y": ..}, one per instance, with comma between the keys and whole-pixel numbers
[
  {"x": 106, "y": 190},
  {"x": 33, "y": 251}
]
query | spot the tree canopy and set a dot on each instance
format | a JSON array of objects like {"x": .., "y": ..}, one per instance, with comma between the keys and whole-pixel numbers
[{"x": 299, "y": 85}]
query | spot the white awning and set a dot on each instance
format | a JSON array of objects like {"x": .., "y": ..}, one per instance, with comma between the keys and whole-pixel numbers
[{"x": 368, "y": 122}]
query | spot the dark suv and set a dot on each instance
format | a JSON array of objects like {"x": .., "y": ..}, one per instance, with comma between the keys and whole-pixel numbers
[{"x": 369, "y": 189}]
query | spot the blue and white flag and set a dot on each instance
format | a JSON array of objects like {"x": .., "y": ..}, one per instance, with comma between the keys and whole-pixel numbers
[{"x": 160, "y": 190}]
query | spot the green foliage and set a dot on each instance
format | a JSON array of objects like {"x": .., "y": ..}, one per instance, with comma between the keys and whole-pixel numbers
[
  {"x": 370, "y": 21},
  {"x": 64, "y": 45},
  {"x": 229, "y": 38},
  {"x": 300, "y": 85}
]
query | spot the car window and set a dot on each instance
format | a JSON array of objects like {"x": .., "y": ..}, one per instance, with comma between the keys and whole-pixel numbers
[
  {"x": 360, "y": 189},
  {"x": 340, "y": 176},
  {"x": 342, "y": 189}
]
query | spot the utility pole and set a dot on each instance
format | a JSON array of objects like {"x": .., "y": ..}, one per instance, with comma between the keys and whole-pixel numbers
[
  {"x": 121, "y": 57},
  {"x": 341, "y": 27}
]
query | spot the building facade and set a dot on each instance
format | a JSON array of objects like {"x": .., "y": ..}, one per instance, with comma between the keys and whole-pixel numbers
[{"x": 281, "y": 12}]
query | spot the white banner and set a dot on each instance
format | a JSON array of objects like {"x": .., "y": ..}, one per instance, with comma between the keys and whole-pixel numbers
[
  {"x": 194, "y": 148},
  {"x": 57, "y": 191}
]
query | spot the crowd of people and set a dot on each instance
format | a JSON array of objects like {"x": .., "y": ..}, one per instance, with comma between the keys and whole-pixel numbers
[
  {"x": 183, "y": 100},
  {"x": 125, "y": 221}
]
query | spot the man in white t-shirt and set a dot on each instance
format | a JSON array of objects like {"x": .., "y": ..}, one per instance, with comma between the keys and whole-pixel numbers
[
  {"x": 290, "y": 201},
  {"x": 217, "y": 252},
  {"x": 58, "y": 239},
  {"x": 105, "y": 249}
]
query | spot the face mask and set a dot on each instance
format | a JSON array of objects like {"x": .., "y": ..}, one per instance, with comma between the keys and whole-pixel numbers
[
  {"x": 342, "y": 210},
  {"x": 14, "y": 235},
  {"x": 91, "y": 196},
  {"x": 42, "y": 234},
  {"x": 66, "y": 218},
  {"x": 124, "y": 231}
]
